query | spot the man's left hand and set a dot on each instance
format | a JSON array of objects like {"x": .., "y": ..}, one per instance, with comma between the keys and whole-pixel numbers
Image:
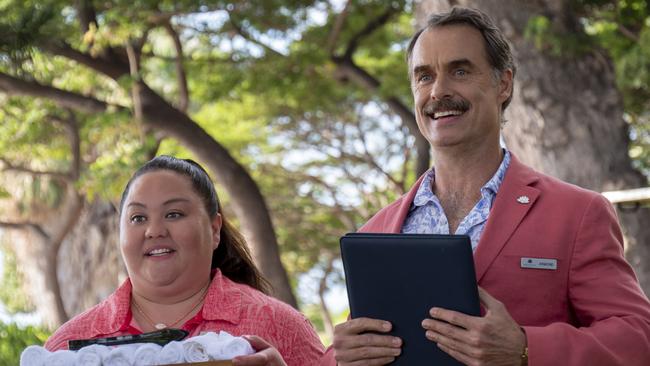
[
  {"x": 266, "y": 354},
  {"x": 493, "y": 339}
]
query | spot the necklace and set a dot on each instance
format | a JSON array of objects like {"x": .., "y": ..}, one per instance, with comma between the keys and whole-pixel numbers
[{"x": 163, "y": 325}]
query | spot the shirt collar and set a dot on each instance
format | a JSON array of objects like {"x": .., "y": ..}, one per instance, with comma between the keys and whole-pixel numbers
[
  {"x": 224, "y": 300},
  {"x": 492, "y": 186},
  {"x": 425, "y": 193},
  {"x": 115, "y": 311}
]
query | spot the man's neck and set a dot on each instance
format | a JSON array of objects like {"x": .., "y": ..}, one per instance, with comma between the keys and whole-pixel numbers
[
  {"x": 459, "y": 178},
  {"x": 465, "y": 170}
]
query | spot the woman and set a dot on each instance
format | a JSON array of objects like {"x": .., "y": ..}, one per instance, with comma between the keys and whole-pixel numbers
[{"x": 190, "y": 269}]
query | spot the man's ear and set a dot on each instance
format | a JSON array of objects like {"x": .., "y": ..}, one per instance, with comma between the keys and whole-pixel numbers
[
  {"x": 216, "y": 230},
  {"x": 505, "y": 85}
]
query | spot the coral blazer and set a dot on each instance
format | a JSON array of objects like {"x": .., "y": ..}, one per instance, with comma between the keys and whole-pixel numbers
[{"x": 590, "y": 309}]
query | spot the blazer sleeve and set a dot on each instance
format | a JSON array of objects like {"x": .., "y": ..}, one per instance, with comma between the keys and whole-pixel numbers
[{"x": 605, "y": 298}]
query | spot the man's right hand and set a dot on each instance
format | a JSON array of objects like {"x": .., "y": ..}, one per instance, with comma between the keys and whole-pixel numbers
[{"x": 354, "y": 346}]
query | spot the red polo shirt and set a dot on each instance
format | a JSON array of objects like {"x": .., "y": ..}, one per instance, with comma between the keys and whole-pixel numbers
[{"x": 229, "y": 306}]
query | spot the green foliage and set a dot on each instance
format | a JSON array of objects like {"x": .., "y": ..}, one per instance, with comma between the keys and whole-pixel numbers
[
  {"x": 323, "y": 150},
  {"x": 15, "y": 339},
  {"x": 12, "y": 294}
]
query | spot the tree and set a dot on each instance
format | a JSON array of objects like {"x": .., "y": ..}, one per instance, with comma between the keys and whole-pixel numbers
[
  {"x": 113, "y": 48},
  {"x": 567, "y": 116},
  {"x": 234, "y": 74}
]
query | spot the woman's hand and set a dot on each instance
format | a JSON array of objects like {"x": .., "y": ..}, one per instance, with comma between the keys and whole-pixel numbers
[{"x": 266, "y": 354}]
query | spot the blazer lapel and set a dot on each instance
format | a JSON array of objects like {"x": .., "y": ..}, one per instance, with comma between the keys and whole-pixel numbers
[
  {"x": 395, "y": 222},
  {"x": 513, "y": 201}
]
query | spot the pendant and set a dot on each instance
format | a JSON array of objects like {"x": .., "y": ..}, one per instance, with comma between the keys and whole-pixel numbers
[{"x": 160, "y": 326}]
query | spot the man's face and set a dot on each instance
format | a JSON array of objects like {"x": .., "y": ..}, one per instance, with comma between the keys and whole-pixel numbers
[{"x": 457, "y": 96}]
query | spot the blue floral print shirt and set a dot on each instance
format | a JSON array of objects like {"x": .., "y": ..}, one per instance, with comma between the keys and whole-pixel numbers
[{"x": 426, "y": 215}]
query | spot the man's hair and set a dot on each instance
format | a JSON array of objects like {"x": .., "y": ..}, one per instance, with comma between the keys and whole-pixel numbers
[{"x": 498, "y": 49}]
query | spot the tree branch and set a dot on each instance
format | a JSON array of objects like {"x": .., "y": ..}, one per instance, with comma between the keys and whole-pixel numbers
[
  {"x": 399, "y": 185},
  {"x": 8, "y": 166},
  {"x": 25, "y": 225},
  {"x": 372, "y": 26},
  {"x": 109, "y": 62},
  {"x": 342, "y": 214},
  {"x": 336, "y": 29},
  {"x": 350, "y": 71},
  {"x": 72, "y": 128},
  {"x": 66, "y": 99},
  {"x": 247, "y": 36},
  {"x": 134, "y": 70},
  {"x": 183, "y": 100},
  {"x": 628, "y": 33},
  {"x": 322, "y": 289},
  {"x": 86, "y": 14},
  {"x": 69, "y": 221}
]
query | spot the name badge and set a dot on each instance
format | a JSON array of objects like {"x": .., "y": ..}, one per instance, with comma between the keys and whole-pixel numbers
[{"x": 539, "y": 263}]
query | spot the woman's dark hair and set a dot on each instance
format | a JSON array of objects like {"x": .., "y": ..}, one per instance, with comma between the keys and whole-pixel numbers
[
  {"x": 231, "y": 256},
  {"x": 498, "y": 49}
]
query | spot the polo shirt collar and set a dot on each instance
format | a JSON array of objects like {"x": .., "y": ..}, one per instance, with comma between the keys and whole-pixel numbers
[{"x": 224, "y": 300}]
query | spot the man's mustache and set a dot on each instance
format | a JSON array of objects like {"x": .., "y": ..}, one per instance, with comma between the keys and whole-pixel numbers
[{"x": 441, "y": 105}]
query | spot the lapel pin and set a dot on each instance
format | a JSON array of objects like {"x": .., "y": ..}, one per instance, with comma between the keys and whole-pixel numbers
[{"x": 523, "y": 200}]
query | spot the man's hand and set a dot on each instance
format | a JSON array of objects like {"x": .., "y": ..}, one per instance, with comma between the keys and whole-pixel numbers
[
  {"x": 266, "y": 354},
  {"x": 494, "y": 339},
  {"x": 352, "y": 348}
]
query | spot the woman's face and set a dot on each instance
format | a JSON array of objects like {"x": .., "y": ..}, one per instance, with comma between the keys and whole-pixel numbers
[{"x": 166, "y": 235}]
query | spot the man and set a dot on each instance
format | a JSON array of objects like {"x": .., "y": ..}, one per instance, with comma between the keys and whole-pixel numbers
[{"x": 584, "y": 308}]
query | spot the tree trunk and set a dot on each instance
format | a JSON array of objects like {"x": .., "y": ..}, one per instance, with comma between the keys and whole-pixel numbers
[
  {"x": 566, "y": 116},
  {"x": 247, "y": 200},
  {"x": 159, "y": 115},
  {"x": 84, "y": 270}
]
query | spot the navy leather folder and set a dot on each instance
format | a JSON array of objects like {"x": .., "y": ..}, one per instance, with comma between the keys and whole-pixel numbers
[{"x": 399, "y": 277}]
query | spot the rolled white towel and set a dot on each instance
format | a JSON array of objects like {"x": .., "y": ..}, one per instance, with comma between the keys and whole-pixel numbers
[
  {"x": 146, "y": 354},
  {"x": 123, "y": 355},
  {"x": 194, "y": 351},
  {"x": 171, "y": 354},
  {"x": 33, "y": 356},
  {"x": 236, "y": 346},
  {"x": 225, "y": 336},
  {"x": 211, "y": 342},
  {"x": 61, "y": 358},
  {"x": 92, "y": 355}
]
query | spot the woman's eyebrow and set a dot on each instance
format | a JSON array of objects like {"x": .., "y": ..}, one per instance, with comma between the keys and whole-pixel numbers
[
  {"x": 176, "y": 200},
  {"x": 168, "y": 202}
]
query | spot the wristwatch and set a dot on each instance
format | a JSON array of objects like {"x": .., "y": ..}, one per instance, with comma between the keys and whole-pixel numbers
[
  {"x": 524, "y": 356},
  {"x": 524, "y": 352}
]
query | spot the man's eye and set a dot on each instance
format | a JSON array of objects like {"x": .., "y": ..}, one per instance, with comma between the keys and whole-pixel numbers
[
  {"x": 138, "y": 218},
  {"x": 173, "y": 215},
  {"x": 424, "y": 78},
  {"x": 460, "y": 72}
]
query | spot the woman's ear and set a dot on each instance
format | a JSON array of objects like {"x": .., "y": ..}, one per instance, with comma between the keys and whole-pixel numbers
[{"x": 216, "y": 230}]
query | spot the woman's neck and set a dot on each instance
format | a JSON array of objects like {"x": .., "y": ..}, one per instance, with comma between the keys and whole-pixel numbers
[{"x": 158, "y": 311}]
